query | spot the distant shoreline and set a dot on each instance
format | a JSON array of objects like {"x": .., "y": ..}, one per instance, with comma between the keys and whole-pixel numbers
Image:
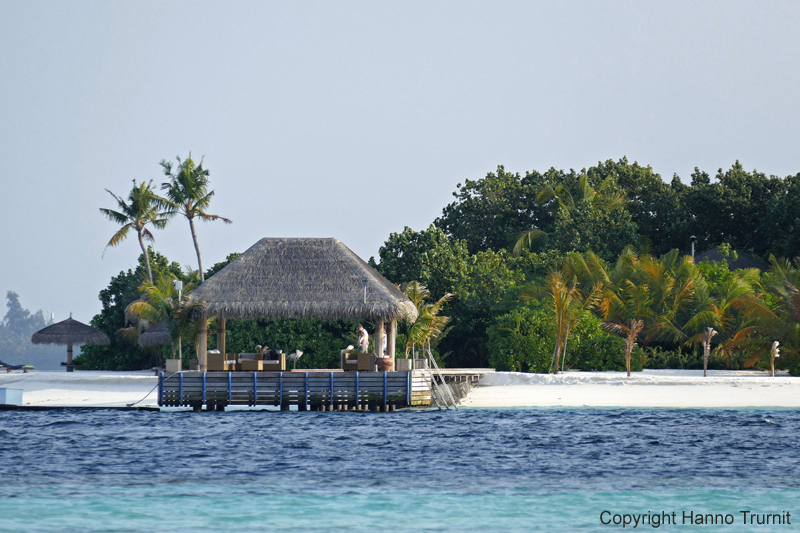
[{"x": 646, "y": 389}]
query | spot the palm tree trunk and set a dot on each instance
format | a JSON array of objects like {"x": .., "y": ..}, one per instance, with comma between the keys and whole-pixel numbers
[
  {"x": 146, "y": 256},
  {"x": 197, "y": 249},
  {"x": 626, "y": 350},
  {"x": 559, "y": 344}
]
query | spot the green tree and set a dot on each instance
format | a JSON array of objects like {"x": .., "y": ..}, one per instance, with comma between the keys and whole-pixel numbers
[
  {"x": 477, "y": 299},
  {"x": 429, "y": 257},
  {"x": 655, "y": 207},
  {"x": 141, "y": 210},
  {"x": 781, "y": 225},
  {"x": 734, "y": 208},
  {"x": 729, "y": 303},
  {"x": 187, "y": 193},
  {"x": 429, "y": 325},
  {"x": 586, "y": 219},
  {"x": 783, "y": 323},
  {"x": 523, "y": 340},
  {"x": 121, "y": 291},
  {"x": 488, "y": 210}
]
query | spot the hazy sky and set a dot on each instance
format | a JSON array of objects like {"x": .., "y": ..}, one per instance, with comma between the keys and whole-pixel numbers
[{"x": 355, "y": 119}]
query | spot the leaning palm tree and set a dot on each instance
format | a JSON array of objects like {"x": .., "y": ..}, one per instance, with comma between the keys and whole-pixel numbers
[
  {"x": 430, "y": 324},
  {"x": 143, "y": 208},
  {"x": 629, "y": 331},
  {"x": 187, "y": 193}
]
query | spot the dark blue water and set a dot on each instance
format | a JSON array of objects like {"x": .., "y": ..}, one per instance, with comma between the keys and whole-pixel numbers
[{"x": 447, "y": 471}]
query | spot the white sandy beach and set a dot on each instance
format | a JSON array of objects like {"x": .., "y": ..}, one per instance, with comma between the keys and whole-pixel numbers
[
  {"x": 650, "y": 388},
  {"x": 83, "y": 389}
]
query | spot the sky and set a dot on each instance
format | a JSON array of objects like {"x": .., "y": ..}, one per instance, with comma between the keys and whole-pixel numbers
[{"x": 356, "y": 119}]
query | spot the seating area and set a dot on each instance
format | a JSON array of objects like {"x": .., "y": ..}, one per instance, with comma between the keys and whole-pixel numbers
[
  {"x": 267, "y": 361},
  {"x": 358, "y": 362}
]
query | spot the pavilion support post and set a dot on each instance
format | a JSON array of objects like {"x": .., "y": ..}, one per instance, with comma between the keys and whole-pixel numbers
[
  {"x": 391, "y": 333},
  {"x": 69, "y": 357},
  {"x": 202, "y": 340},
  {"x": 221, "y": 336},
  {"x": 379, "y": 337}
]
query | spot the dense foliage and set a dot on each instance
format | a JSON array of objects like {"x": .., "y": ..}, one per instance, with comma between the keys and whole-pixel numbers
[
  {"x": 571, "y": 269},
  {"x": 616, "y": 215},
  {"x": 123, "y": 289}
]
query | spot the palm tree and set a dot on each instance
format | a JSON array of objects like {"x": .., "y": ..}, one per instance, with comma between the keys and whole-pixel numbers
[
  {"x": 562, "y": 199},
  {"x": 734, "y": 310},
  {"x": 187, "y": 193},
  {"x": 159, "y": 301},
  {"x": 643, "y": 296},
  {"x": 429, "y": 325},
  {"x": 629, "y": 331},
  {"x": 141, "y": 209}
]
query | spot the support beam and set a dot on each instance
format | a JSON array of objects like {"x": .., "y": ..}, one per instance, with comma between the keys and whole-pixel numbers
[
  {"x": 379, "y": 337},
  {"x": 69, "y": 357},
  {"x": 202, "y": 340},
  {"x": 391, "y": 331},
  {"x": 221, "y": 336}
]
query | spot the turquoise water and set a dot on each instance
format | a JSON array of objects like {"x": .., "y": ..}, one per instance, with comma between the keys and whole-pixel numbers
[
  {"x": 487, "y": 470},
  {"x": 254, "y": 508}
]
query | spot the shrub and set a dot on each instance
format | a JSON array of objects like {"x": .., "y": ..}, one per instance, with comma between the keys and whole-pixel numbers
[{"x": 524, "y": 339}]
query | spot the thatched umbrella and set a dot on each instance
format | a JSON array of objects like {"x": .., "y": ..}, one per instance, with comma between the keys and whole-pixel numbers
[
  {"x": 157, "y": 335},
  {"x": 301, "y": 278},
  {"x": 69, "y": 332}
]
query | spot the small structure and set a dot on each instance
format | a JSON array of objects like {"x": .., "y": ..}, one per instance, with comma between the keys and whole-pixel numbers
[
  {"x": 743, "y": 260},
  {"x": 156, "y": 335},
  {"x": 300, "y": 278},
  {"x": 69, "y": 332}
]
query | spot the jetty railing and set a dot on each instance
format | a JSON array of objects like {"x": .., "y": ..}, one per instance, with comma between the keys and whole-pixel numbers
[{"x": 316, "y": 391}]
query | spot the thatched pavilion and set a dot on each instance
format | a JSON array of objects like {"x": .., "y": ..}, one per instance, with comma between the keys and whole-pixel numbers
[
  {"x": 157, "y": 335},
  {"x": 69, "y": 332},
  {"x": 300, "y": 278}
]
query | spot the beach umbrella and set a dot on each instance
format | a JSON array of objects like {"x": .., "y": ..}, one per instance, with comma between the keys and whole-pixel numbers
[{"x": 69, "y": 332}]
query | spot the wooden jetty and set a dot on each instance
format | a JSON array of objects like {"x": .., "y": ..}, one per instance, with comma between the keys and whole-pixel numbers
[{"x": 321, "y": 390}]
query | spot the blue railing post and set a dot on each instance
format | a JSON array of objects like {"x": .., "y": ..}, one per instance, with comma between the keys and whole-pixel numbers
[
  {"x": 357, "y": 394},
  {"x": 408, "y": 389},
  {"x": 385, "y": 388},
  {"x": 230, "y": 388},
  {"x": 204, "y": 387},
  {"x": 180, "y": 399},
  {"x": 306, "y": 400},
  {"x": 280, "y": 389},
  {"x": 255, "y": 388},
  {"x": 331, "y": 389},
  {"x": 160, "y": 388}
]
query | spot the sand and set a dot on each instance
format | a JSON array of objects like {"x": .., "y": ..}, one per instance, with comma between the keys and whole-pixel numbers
[
  {"x": 83, "y": 389},
  {"x": 650, "y": 388}
]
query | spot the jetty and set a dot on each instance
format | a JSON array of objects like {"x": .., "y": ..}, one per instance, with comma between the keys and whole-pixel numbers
[
  {"x": 315, "y": 390},
  {"x": 292, "y": 278}
]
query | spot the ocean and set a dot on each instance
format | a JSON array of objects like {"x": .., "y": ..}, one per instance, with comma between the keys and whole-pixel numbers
[{"x": 414, "y": 470}]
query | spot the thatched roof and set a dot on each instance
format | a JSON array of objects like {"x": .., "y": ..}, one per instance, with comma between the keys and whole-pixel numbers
[
  {"x": 69, "y": 331},
  {"x": 743, "y": 261},
  {"x": 157, "y": 335},
  {"x": 301, "y": 278}
]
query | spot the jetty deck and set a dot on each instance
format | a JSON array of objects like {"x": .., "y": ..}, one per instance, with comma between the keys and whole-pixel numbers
[{"x": 326, "y": 390}]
